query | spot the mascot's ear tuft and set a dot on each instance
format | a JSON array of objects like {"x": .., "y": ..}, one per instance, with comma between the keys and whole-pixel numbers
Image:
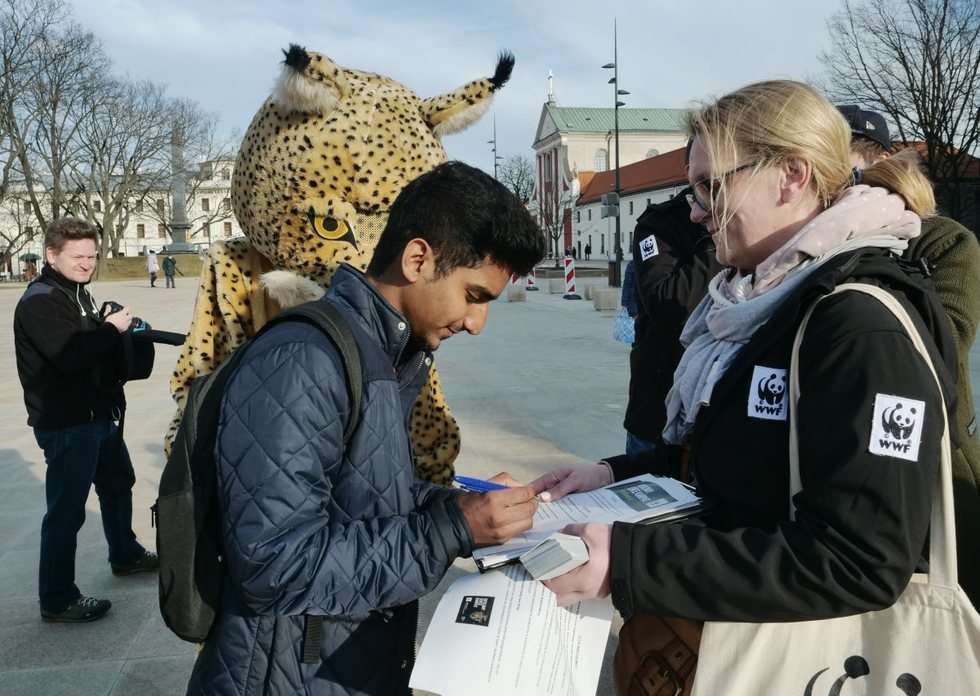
[
  {"x": 309, "y": 83},
  {"x": 296, "y": 57},
  {"x": 461, "y": 108},
  {"x": 505, "y": 65}
]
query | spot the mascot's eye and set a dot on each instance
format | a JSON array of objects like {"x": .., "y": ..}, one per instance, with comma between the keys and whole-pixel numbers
[{"x": 331, "y": 229}]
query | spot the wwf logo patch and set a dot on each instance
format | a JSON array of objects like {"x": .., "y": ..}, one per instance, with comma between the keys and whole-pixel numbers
[
  {"x": 649, "y": 248},
  {"x": 767, "y": 393},
  {"x": 896, "y": 427}
]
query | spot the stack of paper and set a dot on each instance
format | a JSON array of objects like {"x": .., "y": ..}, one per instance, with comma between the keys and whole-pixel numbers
[
  {"x": 555, "y": 556},
  {"x": 502, "y": 634},
  {"x": 644, "y": 498}
]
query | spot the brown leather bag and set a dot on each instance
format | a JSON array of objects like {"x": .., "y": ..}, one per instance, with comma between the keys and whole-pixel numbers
[{"x": 657, "y": 656}]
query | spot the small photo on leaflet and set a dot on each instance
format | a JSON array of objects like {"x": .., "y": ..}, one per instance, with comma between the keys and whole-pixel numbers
[
  {"x": 475, "y": 611},
  {"x": 642, "y": 495}
]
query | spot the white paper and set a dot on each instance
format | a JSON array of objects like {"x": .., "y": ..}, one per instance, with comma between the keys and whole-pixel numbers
[
  {"x": 631, "y": 500},
  {"x": 502, "y": 633}
]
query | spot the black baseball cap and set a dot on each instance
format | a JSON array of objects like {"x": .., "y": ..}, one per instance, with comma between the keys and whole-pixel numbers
[{"x": 867, "y": 124}]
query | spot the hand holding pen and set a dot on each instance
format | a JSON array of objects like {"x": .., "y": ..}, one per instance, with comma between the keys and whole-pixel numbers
[{"x": 495, "y": 512}]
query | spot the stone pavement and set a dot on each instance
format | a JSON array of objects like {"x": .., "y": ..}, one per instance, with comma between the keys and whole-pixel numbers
[{"x": 544, "y": 385}]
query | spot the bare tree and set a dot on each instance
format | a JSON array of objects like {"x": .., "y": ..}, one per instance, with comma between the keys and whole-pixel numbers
[
  {"x": 123, "y": 141},
  {"x": 23, "y": 26},
  {"x": 554, "y": 217},
  {"x": 71, "y": 69},
  {"x": 918, "y": 62},
  {"x": 517, "y": 174},
  {"x": 204, "y": 155}
]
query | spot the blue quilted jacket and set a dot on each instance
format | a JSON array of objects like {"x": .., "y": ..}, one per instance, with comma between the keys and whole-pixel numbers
[{"x": 312, "y": 528}]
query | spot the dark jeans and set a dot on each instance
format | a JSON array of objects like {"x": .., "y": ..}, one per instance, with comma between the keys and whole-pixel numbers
[
  {"x": 153, "y": 279},
  {"x": 635, "y": 445},
  {"x": 170, "y": 280},
  {"x": 77, "y": 457}
]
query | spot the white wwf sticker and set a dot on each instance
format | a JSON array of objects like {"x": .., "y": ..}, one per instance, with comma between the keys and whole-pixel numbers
[
  {"x": 896, "y": 427},
  {"x": 767, "y": 393},
  {"x": 648, "y": 248}
]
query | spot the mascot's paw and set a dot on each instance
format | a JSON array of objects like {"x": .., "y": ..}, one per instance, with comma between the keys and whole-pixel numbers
[{"x": 289, "y": 289}]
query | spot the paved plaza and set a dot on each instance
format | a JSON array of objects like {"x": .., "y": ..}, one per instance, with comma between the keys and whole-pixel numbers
[{"x": 544, "y": 385}]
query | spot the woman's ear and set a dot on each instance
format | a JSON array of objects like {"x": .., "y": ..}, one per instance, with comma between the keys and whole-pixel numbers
[{"x": 795, "y": 178}]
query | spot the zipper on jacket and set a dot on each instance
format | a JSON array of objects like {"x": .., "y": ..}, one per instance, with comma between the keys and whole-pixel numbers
[{"x": 408, "y": 376}]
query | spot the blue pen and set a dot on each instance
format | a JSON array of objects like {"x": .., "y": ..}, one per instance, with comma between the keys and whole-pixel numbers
[{"x": 476, "y": 485}]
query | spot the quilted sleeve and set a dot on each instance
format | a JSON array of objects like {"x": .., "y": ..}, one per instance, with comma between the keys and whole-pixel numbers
[{"x": 280, "y": 438}]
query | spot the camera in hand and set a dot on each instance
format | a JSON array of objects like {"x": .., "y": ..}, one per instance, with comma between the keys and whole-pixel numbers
[
  {"x": 141, "y": 329},
  {"x": 137, "y": 344}
]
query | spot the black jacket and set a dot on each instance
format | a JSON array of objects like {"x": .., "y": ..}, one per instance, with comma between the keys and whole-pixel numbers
[
  {"x": 862, "y": 518},
  {"x": 672, "y": 273},
  {"x": 314, "y": 527},
  {"x": 69, "y": 361}
]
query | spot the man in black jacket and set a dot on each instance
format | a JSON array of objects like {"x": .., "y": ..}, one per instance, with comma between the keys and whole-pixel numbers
[
  {"x": 70, "y": 365},
  {"x": 673, "y": 259}
]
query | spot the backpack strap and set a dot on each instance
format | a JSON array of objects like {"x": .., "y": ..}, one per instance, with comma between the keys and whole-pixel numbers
[{"x": 331, "y": 321}]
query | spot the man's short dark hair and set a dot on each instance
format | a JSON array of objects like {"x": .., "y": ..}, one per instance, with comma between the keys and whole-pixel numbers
[
  {"x": 466, "y": 216},
  {"x": 68, "y": 229}
]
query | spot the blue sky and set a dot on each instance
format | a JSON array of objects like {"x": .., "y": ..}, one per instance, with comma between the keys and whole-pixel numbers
[{"x": 226, "y": 55}]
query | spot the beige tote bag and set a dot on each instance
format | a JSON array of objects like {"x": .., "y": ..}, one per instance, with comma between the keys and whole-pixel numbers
[{"x": 927, "y": 643}]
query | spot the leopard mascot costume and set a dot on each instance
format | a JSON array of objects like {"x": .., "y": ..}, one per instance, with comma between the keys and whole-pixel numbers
[{"x": 318, "y": 170}]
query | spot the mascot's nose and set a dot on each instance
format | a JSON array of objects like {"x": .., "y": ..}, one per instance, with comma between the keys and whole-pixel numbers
[{"x": 297, "y": 58}]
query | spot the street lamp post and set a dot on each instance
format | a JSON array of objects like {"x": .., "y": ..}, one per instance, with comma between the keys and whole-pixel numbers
[
  {"x": 615, "y": 271},
  {"x": 493, "y": 141}
]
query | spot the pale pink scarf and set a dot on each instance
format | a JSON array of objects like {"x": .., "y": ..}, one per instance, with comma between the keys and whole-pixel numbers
[{"x": 864, "y": 215}]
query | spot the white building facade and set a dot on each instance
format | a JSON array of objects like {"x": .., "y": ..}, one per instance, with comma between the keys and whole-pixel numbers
[
  {"x": 642, "y": 183},
  {"x": 572, "y": 142},
  {"x": 208, "y": 210}
]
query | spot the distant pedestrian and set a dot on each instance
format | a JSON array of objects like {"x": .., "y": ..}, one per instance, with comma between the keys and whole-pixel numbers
[
  {"x": 169, "y": 270},
  {"x": 152, "y": 267},
  {"x": 588, "y": 252}
]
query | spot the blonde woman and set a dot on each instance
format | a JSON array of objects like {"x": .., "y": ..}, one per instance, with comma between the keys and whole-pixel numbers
[{"x": 772, "y": 183}]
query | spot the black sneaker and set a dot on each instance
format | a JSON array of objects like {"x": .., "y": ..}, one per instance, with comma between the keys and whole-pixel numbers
[
  {"x": 147, "y": 562},
  {"x": 82, "y": 610}
]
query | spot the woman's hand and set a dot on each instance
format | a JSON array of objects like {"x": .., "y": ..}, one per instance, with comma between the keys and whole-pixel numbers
[
  {"x": 591, "y": 580},
  {"x": 572, "y": 479}
]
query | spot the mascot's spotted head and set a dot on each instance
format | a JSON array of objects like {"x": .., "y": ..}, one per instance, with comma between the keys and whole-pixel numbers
[{"x": 328, "y": 153}]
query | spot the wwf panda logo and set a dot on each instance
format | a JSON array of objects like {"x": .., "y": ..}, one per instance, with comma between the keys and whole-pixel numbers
[
  {"x": 856, "y": 667},
  {"x": 898, "y": 422},
  {"x": 767, "y": 393},
  {"x": 772, "y": 388},
  {"x": 896, "y": 426}
]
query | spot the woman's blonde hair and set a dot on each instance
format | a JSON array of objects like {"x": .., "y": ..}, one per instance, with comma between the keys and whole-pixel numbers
[{"x": 779, "y": 121}]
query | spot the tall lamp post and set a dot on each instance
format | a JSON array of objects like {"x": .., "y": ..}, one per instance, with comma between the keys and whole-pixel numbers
[
  {"x": 493, "y": 141},
  {"x": 615, "y": 270}
]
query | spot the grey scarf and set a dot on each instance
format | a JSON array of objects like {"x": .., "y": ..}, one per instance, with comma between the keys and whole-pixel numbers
[{"x": 734, "y": 309}]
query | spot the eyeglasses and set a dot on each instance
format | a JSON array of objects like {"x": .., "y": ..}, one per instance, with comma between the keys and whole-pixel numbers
[{"x": 711, "y": 185}]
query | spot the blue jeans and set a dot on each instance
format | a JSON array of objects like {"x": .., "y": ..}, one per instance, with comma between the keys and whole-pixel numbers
[
  {"x": 635, "y": 445},
  {"x": 77, "y": 457}
]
